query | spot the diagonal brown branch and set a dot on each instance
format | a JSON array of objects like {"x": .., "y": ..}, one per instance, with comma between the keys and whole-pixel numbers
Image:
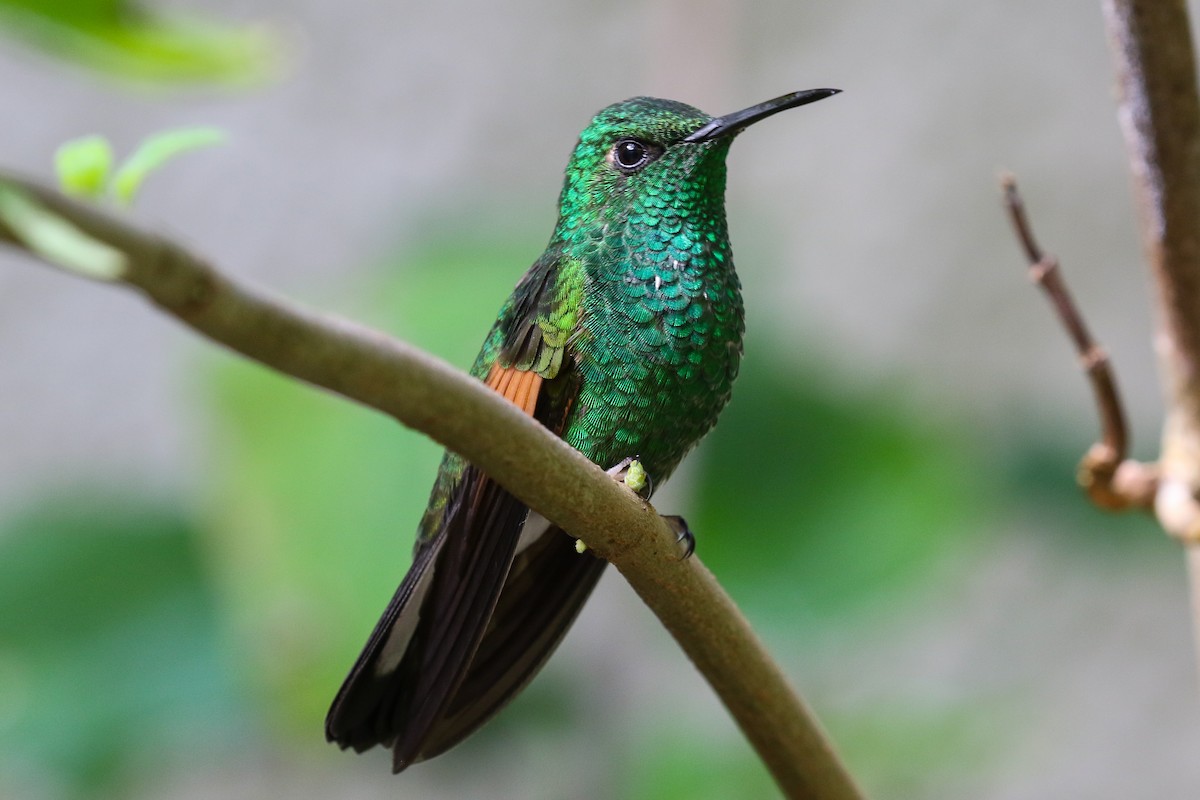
[
  {"x": 424, "y": 393},
  {"x": 1112, "y": 481}
]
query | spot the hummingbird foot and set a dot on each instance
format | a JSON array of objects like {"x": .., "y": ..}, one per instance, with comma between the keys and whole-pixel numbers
[
  {"x": 684, "y": 537},
  {"x": 631, "y": 472}
]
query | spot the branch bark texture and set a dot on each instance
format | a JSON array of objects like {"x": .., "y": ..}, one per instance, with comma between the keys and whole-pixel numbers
[
  {"x": 426, "y": 394},
  {"x": 1160, "y": 117},
  {"x": 1159, "y": 110}
]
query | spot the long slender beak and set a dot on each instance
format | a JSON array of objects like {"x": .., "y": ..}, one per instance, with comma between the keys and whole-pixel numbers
[{"x": 731, "y": 124}]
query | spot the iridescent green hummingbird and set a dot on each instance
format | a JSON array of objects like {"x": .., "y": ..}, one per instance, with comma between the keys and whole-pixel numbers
[{"x": 624, "y": 339}]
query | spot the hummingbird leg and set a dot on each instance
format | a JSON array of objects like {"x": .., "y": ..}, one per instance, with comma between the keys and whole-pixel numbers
[
  {"x": 617, "y": 471},
  {"x": 683, "y": 536},
  {"x": 630, "y": 472}
]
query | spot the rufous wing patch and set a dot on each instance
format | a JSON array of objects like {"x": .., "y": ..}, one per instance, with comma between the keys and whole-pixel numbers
[{"x": 519, "y": 386}]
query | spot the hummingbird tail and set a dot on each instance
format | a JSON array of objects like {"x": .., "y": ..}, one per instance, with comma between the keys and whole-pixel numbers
[
  {"x": 423, "y": 644},
  {"x": 547, "y": 587},
  {"x": 475, "y": 618}
]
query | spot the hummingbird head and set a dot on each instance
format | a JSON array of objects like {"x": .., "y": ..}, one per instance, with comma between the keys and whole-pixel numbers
[{"x": 658, "y": 154}]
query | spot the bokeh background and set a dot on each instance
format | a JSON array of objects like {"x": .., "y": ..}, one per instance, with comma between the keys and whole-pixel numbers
[{"x": 192, "y": 550}]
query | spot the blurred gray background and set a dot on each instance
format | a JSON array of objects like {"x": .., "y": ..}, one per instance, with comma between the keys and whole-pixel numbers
[{"x": 1043, "y": 650}]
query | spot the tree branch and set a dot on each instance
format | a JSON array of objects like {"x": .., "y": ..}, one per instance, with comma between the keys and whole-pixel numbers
[
  {"x": 1160, "y": 117},
  {"x": 426, "y": 394},
  {"x": 1112, "y": 481}
]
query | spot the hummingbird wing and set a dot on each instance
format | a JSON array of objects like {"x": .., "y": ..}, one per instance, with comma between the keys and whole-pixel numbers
[{"x": 493, "y": 588}]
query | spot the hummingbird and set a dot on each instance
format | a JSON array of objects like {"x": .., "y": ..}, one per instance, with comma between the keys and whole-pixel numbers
[{"x": 624, "y": 339}]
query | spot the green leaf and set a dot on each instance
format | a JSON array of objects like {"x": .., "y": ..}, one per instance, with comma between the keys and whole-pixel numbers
[
  {"x": 155, "y": 152},
  {"x": 58, "y": 241},
  {"x": 127, "y": 40},
  {"x": 84, "y": 165}
]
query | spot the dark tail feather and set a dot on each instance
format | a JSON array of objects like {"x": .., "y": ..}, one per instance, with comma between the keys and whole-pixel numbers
[
  {"x": 466, "y": 562},
  {"x": 547, "y": 586},
  {"x": 356, "y": 718},
  {"x": 483, "y": 624}
]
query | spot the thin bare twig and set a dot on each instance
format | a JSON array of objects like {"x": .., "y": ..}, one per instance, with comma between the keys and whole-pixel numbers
[
  {"x": 458, "y": 411},
  {"x": 1112, "y": 481}
]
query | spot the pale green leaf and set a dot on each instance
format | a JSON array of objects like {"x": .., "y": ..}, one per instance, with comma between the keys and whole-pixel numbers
[
  {"x": 84, "y": 165},
  {"x": 156, "y": 151},
  {"x": 58, "y": 241}
]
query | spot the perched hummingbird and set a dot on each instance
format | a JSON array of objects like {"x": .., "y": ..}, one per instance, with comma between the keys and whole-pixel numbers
[{"x": 624, "y": 339}]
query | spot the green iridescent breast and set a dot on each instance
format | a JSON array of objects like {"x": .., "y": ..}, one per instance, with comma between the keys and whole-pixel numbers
[{"x": 660, "y": 340}]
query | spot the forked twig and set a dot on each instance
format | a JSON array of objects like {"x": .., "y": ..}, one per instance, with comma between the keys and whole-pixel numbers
[{"x": 1112, "y": 481}]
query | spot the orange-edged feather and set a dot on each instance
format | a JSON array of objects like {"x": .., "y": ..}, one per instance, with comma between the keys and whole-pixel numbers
[{"x": 519, "y": 386}]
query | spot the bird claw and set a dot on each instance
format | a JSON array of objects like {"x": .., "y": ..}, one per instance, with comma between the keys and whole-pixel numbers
[{"x": 684, "y": 537}]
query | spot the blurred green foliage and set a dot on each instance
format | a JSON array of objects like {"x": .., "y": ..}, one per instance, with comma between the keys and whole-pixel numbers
[
  {"x": 129, "y": 40},
  {"x": 820, "y": 502},
  {"x": 110, "y": 646},
  {"x": 679, "y": 764}
]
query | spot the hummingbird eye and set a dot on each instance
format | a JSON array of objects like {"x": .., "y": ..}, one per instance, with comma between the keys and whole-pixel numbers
[{"x": 630, "y": 155}]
